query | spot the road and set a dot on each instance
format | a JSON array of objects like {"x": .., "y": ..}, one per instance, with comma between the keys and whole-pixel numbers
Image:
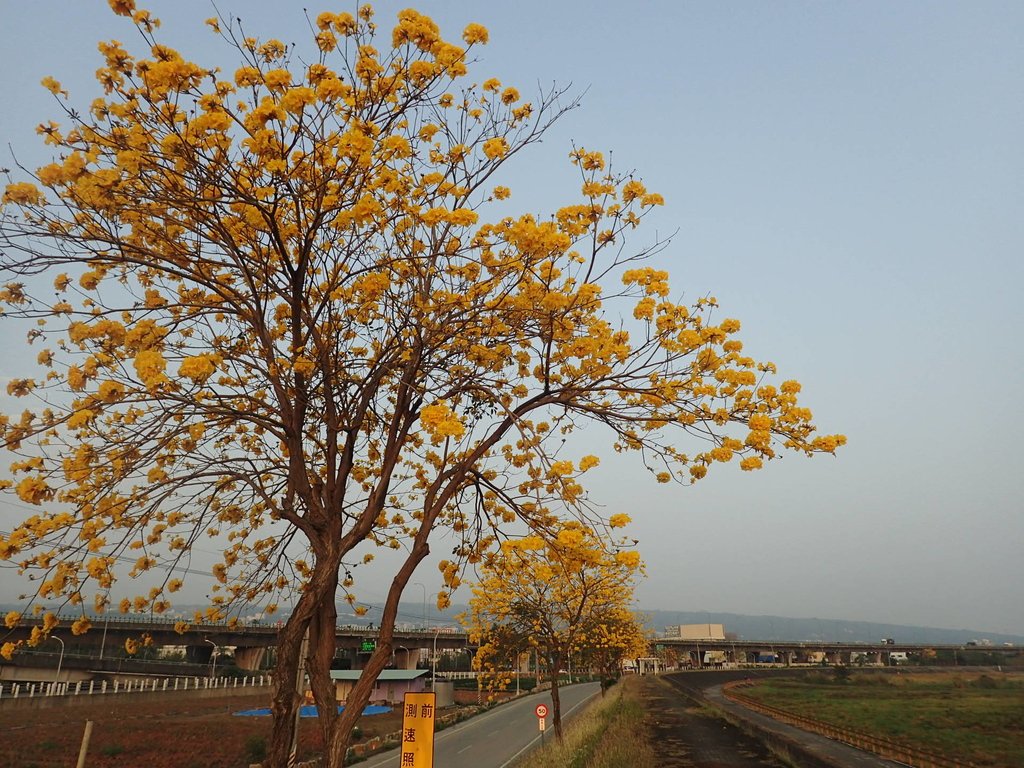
[{"x": 494, "y": 739}]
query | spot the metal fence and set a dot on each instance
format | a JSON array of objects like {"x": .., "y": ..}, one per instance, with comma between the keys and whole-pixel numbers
[{"x": 890, "y": 750}]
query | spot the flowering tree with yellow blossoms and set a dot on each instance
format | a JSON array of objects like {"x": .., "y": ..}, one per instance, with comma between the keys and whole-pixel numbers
[
  {"x": 615, "y": 636},
  {"x": 561, "y": 594},
  {"x": 279, "y": 317}
]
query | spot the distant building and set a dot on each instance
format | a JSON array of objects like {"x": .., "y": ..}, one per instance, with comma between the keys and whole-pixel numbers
[
  {"x": 696, "y": 631},
  {"x": 390, "y": 688}
]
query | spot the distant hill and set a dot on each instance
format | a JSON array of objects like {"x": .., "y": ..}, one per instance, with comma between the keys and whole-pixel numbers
[
  {"x": 824, "y": 630},
  {"x": 745, "y": 627}
]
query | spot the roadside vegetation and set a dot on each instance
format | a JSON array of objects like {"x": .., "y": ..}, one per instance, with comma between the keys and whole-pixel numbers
[
  {"x": 976, "y": 718},
  {"x": 609, "y": 734}
]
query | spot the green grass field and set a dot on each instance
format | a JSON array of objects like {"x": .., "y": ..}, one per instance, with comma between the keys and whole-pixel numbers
[{"x": 977, "y": 718}]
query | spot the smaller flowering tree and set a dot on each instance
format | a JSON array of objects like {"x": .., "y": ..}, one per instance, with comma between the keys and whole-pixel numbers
[
  {"x": 616, "y": 635},
  {"x": 562, "y": 594}
]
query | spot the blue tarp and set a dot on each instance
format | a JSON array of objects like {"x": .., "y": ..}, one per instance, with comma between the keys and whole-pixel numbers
[{"x": 310, "y": 711}]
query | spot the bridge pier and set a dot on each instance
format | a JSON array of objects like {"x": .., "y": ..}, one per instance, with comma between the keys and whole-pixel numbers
[
  {"x": 198, "y": 654},
  {"x": 406, "y": 658},
  {"x": 249, "y": 658}
]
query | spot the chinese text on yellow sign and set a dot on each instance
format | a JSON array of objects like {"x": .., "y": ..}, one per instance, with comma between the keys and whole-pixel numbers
[{"x": 417, "y": 731}]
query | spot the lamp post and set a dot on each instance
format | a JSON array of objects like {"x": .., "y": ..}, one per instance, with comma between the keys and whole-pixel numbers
[
  {"x": 213, "y": 657},
  {"x": 60, "y": 659},
  {"x": 103, "y": 642},
  {"x": 423, "y": 587},
  {"x": 433, "y": 663}
]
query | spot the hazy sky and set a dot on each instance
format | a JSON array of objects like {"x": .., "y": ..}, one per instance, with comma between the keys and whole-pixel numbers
[{"x": 847, "y": 179}]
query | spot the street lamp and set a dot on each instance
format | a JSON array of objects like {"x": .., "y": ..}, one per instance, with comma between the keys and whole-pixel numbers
[
  {"x": 433, "y": 663},
  {"x": 213, "y": 657},
  {"x": 60, "y": 659},
  {"x": 103, "y": 642}
]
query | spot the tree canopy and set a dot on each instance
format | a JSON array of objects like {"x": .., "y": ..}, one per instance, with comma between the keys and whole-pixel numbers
[
  {"x": 558, "y": 596},
  {"x": 269, "y": 309}
]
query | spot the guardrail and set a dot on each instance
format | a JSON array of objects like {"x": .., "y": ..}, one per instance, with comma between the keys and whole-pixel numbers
[
  {"x": 168, "y": 622},
  {"x": 143, "y": 685},
  {"x": 890, "y": 750}
]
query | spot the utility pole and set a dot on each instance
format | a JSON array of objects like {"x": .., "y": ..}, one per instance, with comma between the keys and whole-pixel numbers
[{"x": 60, "y": 659}]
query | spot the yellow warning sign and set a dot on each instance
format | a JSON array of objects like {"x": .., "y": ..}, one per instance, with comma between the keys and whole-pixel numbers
[{"x": 417, "y": 731}]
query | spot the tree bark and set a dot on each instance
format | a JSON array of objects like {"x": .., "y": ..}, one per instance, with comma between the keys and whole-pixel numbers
[
  {"x": 358, "y": 698},
  {"x": 556, "y": 702},
  {"x": 322, "y": 645},
  {"x": 285, "y": 697}
]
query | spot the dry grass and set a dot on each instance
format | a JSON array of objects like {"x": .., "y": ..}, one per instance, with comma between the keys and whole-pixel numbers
[{"x": 609, "y": 734}]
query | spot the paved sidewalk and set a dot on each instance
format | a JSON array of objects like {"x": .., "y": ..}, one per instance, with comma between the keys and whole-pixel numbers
[{"x": 826, "y": 751}]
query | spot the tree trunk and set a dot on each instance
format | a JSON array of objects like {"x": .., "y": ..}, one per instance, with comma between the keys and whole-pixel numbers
[
  {"x": 285, "y": 697},
  {"x": 556, "y": 702},
  {"x": 315, "y": 601},
  {"x": 322, "y": 645},
  {"x": 357, "y": 699}
]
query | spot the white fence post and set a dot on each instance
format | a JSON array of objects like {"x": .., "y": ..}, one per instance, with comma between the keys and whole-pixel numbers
[
  {"x": 91, "y": 683},
  {"x": 17, "y": 690},
  {"x": 78, "y": 687}
]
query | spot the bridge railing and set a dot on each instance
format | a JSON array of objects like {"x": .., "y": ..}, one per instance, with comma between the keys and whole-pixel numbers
[
  {"x": 61, "y": 689},
  {"x": 168, "y": 622},
  {"x": 890, "y": 750}
]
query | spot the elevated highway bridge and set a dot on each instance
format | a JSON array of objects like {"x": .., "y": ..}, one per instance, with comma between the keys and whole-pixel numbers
[
  {"x": 98, "y": 648},
  {"x": 789, "y": 652},
  {"x": 251, "y": 640}
]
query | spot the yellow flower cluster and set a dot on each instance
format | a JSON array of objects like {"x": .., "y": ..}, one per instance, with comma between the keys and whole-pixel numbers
[
  {"x": 150, "y": 366},
  {"x": 198, "y": 368},
  {"x": 23, "y": 193},
  {"x": 441, "y": 422}
]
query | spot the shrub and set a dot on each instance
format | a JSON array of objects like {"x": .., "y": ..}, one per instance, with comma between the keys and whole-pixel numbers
[{"x": 255, "y": 749}]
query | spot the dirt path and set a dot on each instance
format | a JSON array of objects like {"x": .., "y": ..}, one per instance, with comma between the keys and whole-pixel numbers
[{"x": 688, "y": 736}]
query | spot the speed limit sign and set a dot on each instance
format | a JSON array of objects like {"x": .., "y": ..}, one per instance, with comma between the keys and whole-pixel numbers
[{"x": 541, "y": 710}]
